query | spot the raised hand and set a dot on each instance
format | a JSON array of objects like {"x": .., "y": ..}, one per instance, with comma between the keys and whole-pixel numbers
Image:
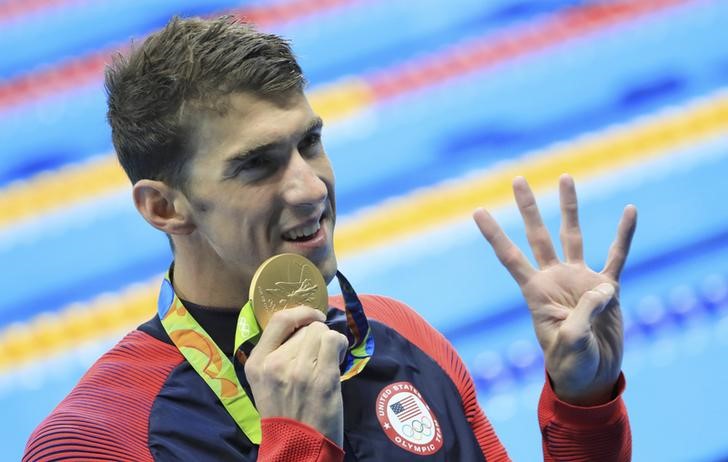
[
  {"x": 575, "y": 310},
  {"x": 293, "y": 371}
]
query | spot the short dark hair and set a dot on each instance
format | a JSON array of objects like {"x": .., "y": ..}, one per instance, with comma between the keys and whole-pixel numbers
[{"x": 190, "y": 63}]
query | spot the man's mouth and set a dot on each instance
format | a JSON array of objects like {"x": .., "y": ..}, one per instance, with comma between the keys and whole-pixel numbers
[{"x": 303, "y": 233}]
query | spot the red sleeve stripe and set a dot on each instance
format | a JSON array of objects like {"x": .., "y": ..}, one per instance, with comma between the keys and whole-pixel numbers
[
  {"x": 106, "y": 416},
  {"x": 420, "y": 333},
  {"x": 286, "y": 439},
  {"x": 597, "y": 433},
  {"x": 564, "y": 443}
]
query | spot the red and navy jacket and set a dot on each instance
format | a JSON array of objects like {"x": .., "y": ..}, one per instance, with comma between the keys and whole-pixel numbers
[{"x": 414, "y": 401}]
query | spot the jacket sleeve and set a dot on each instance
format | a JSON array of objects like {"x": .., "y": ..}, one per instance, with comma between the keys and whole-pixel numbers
[
  {"x": 106, "y": 416},
  {"x": 286, "y": 439},
  {"x": 596, "y": 433}
]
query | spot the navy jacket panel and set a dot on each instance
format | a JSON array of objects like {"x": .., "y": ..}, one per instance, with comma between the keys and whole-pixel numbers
[{"x": 397, "y": 360}]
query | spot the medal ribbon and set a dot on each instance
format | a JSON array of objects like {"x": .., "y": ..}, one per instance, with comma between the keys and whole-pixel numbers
[
  {"x": 216, "y": 369},
  {"x": 361, "y": 340}
]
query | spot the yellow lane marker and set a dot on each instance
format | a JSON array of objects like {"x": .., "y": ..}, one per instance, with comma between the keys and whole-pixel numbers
[
  {"x": 341, "y": 99},
  {"x": 586, "y": 157},
  {"x": 583, "y": 158},
  {"x": 53, "y": 190},
  {"x": 51, "y": 333}
]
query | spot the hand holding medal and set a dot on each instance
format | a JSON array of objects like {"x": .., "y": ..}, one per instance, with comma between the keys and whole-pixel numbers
[{"x": 293, "y": 370}]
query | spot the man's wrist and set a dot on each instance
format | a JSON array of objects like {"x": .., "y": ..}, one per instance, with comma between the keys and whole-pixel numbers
[
  {"x": 552, "y": 407},
  {"x": 587, "y": 399},
  {"x": 593, "y": 396}
]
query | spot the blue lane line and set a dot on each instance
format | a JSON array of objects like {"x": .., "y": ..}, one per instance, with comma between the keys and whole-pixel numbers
[
  {"x": 106, "y": 280},
  {"x": 107, "y": 254},
  {"x": 687, "y": 384},
  {"x": 459, "y": 150},
  {"x": 73, "y": 127},
  {"x": 670, "y": 258}
]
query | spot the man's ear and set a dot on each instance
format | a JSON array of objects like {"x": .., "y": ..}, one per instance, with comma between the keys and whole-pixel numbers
[{"x": 165, "y": 208}]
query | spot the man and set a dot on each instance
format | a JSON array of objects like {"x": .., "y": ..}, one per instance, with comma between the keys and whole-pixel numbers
[{"x": 211, "y": 124}]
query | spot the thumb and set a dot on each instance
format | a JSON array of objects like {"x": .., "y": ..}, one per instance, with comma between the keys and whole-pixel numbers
[{"x": 590, "y": 305}]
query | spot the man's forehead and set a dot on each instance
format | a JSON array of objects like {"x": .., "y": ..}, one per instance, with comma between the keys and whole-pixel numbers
[{"x": 252, "y": 119}]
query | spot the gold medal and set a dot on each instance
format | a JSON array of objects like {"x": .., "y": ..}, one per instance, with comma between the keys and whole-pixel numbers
[{"x": 286, "y": 281}]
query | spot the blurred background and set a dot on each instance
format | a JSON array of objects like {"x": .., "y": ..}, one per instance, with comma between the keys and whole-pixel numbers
[{"x": 431, "y": 108}]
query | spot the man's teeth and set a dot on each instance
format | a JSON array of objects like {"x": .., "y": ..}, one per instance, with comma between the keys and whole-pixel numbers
[{"x": 305, "y": 231}]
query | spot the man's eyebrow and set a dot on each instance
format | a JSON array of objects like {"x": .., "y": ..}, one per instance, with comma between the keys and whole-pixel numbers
[
  {"x": 315, "y": 125},
  {"x": 251, "y": 152}
]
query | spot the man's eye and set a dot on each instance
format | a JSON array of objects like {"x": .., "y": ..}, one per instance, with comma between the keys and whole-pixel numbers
[
  {"x": 256, "y": 163},
  {"x": 311, "y": 141}
]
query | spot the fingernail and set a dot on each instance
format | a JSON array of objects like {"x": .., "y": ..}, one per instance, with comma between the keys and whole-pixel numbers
[{"x": 605, "y": 288}]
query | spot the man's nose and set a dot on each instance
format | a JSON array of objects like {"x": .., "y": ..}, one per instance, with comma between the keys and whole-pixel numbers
[{"x": 303, "y": 187}]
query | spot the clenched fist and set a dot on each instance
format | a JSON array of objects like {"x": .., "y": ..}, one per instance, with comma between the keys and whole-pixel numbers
[{"x": 293, "y": 371}]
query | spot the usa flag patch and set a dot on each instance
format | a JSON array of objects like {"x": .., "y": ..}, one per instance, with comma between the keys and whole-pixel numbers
[{"x": 407, "y": 420}]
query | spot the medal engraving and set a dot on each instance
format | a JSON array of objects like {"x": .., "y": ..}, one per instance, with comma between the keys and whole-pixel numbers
[{"x": 286, "y": 281}]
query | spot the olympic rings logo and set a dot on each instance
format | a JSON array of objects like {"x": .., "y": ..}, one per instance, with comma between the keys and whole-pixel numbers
[{"x": 418, "y": 429}]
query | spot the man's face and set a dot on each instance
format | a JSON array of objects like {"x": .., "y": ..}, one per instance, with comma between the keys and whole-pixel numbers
[{"x": 260, "y": 184}]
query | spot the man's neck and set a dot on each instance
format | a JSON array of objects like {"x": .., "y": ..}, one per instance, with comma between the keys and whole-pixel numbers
[
  {"x": 219, "y": 323},
  {"x": 207, "y": 285}
]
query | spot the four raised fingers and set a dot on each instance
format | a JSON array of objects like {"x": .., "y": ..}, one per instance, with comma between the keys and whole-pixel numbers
[{"x": 538, "y": 236}]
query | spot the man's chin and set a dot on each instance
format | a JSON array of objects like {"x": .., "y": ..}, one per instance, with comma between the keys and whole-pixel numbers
[{"x": 324, "y": 261}]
